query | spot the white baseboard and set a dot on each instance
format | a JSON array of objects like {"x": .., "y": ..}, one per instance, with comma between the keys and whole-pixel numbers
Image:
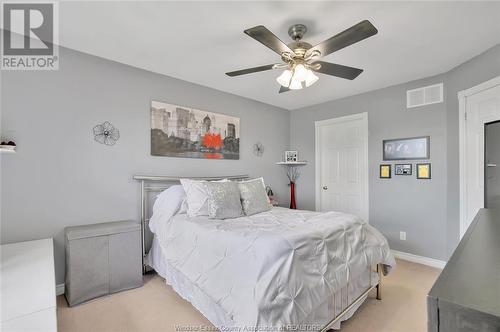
[
  {"x": 60, "y": 289},
  {"x": 419, "y": 259}
]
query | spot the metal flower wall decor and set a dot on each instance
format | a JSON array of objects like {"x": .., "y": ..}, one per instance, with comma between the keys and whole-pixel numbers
[
  {"x": 258, "y": 149},
  {"x": 106, "y": 133}
]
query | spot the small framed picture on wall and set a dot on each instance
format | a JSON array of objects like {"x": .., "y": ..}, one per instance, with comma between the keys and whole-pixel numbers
[
  {"x": 291, "y": 156},
  {"x": 385, "y": 171},
  {"x": 424, "y": 171},
  {"x": 402, "y": 169}
]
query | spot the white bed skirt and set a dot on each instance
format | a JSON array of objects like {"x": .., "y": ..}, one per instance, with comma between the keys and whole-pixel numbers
[{"x": 222, "y": 320}]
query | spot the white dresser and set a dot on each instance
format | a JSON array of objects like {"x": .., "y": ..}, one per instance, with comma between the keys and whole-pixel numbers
[{"x": 28, "y": 292}]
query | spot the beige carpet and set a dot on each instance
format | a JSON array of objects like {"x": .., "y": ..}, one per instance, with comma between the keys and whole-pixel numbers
[{"x": 156, "y": 307}]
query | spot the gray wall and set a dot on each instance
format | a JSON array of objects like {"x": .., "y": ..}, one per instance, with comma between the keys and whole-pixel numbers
[
  {"x": 426, "y": 209},
  {"x": 402, "y": 203},
  {"x": 61, "y": 177}
]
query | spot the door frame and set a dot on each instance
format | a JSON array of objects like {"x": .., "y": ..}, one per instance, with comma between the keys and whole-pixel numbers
[
  {"x": 462, "y": 106},
  {"x": 364, "y": 168}
]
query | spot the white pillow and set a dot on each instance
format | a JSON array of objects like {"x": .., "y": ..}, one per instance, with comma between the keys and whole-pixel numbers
[
  {"x": 196, "y": 197},
  {"x": 167, "y": 204}
]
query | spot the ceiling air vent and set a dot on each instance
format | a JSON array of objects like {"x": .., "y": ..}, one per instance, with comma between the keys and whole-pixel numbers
[{"x": 426, "y": 95}]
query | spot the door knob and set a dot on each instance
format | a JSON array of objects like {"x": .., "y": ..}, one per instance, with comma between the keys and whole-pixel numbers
[{"x": 325, "y": 187}]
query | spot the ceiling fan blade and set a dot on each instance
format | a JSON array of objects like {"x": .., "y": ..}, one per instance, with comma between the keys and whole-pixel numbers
[
  {"x": 266, "y": 37},
  {"x": 283, "y": 89},
  {"x": 354, "y": 34},
  {"x": 250, "y": 70},
  {"x": 334, "y": 69}
]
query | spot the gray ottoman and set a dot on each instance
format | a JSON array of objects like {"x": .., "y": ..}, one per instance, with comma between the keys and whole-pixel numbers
[{"x": 102, "y": 259}]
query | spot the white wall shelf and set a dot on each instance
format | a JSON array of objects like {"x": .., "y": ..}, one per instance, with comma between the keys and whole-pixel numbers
[
  {"x": 296, "y": 163},
  {"x": 7, "y": 151}
]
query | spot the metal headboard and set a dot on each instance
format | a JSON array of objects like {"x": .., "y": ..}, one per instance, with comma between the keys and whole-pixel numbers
[{"x": 157, "y": 183}]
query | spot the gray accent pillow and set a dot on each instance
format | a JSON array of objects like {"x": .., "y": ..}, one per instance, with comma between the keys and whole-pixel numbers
[
  {"x": 223, "y": 200},
  {"x": 196, "y": 196},
  {"x": 253, "y": 196}
]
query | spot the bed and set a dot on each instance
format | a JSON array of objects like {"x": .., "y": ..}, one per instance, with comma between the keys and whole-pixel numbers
[{"x": 277, "y": 270}]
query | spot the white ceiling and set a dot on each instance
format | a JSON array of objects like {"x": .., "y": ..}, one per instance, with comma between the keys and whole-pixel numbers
[{"x": 200, "y": 41}]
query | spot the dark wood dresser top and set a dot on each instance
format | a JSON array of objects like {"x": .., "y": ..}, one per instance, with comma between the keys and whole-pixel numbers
[{"x": 471, "y": 278}]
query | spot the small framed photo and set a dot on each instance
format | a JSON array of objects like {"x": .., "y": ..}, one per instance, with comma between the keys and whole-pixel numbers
[
  {"x": 402, "y": 169},
  {"x": 424, "y": 171},
  {"x": 385, "y": 171},
  {"x": 291, "y": 156}
]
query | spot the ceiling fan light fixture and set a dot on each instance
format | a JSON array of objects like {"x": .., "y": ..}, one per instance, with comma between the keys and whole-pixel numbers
[
  {"x": 297, "y": 79},
  {"x": 299, "y": 58},
  {"x": 300, "y": 72},
  {"x": 311, "y": 78},
  {"x": 284, "y": 78},
  {"x": 295, "y": 84}
]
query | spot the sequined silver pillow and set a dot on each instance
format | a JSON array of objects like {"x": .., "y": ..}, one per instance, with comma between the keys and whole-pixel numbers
[
  {"x": 253, "y": 196},
  {"x": 223, "y": 200}
]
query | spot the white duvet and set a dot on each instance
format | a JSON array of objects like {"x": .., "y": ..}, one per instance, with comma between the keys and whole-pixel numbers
[{"x": 274, "y": 268}]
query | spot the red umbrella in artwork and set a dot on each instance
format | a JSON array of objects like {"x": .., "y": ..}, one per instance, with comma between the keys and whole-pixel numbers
[{"x": 212, "y": 141}]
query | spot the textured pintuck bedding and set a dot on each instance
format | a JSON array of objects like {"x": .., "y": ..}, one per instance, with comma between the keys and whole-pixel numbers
[{"x": 274, "y": 268}]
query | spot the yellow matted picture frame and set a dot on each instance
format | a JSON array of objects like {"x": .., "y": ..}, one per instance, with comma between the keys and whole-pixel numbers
[
  {"x": 385, "y": 171},
  {"x": 424, "y": 171}
]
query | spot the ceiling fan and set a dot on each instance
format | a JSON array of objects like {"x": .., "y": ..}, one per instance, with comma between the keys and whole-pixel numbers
[{"x": 300, "y": 59}]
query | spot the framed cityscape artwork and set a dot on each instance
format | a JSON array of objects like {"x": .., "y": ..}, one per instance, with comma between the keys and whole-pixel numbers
[{"x": 179, "y": 131}]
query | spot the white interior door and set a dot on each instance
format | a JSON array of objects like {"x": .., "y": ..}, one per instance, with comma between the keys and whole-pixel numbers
[
  {"x": 480, "y": 108},
  {"x": 342, "y": 165}
]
